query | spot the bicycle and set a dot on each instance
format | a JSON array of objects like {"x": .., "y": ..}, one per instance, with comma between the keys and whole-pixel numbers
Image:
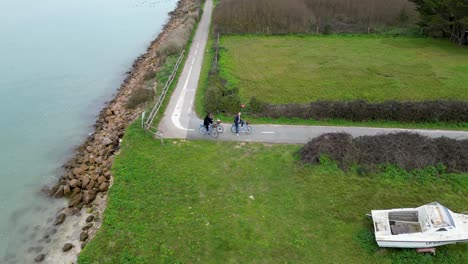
[
  {"x": 219, "y": 127},
  {"x": 212, "y": 130},
  {"x": 246, "y": 128}
]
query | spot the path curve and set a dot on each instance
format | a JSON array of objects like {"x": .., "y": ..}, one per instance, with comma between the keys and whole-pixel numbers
[{"x": 181, "y": 121}]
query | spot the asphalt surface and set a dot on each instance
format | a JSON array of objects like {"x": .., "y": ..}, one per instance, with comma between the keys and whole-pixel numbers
[{"x": 181, "y": 121}]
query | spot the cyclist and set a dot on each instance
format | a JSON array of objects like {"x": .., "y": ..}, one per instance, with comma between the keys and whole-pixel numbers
[
  {"x": 237, "y": 121},
  {"x": 208, "y": 121}
]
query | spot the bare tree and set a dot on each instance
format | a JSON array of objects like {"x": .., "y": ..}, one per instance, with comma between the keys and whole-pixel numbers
[{"x": 306, "y": 16}]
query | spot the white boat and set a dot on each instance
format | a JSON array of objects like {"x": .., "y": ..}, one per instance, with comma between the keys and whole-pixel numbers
[{"x": 427, "y": 226}]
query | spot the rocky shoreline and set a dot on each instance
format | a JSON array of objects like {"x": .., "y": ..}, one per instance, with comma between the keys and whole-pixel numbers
[{"x": 87, "y": 176}]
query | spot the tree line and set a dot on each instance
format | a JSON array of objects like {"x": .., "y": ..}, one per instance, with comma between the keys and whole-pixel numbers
[
  {"x": 311, "y": 16},
  {"x": 447, "y": 18}
]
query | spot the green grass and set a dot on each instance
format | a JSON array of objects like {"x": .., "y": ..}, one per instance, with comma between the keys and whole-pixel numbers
[
  {"x": 301, "y": 69},
  {"x": 203, "y": 81},
  {"x": 189, "y": 202}
]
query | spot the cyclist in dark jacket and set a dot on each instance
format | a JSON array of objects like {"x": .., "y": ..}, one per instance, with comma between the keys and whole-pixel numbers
[
  {"x": 237, "y": 121},
  {"x": 208, "y": 121}
]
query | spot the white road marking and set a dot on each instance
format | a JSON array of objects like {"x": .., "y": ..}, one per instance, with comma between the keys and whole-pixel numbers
[
  {"x": 198, "y": 44},
  {"x": 267, "y": 132},
  {"x": 180, "y": 103},
  {"x": 196, "y": 51},
  {"x": 193, "y": 60}
]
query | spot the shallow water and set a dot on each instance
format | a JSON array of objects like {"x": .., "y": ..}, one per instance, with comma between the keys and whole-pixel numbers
[{"x": 59, "y": 62}]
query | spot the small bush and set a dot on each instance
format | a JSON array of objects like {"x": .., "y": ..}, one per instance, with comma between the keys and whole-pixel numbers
[
  {"x": 213, "y": 100},
  {"x": 177, "y": 39},
  {"x": 256, "y": 106},
  {"x": 409, "y": 151},
  {"x": 219, "y": 99},
  {"x": 338, "y": 147},
  {"x": 139, "y": 97},
  {"x": 149, "y": 75},
  {"x": 359, "y": 110},
  {"x": 231, "y": 103}
]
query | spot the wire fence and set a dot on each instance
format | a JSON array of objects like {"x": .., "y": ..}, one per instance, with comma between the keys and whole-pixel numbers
[{"x": 147, "y": 121}]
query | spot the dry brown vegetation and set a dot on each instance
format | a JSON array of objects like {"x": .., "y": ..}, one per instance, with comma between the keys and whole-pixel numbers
[
  {"x": 178, "y": 38},
  {"x": 406, "y": 150},
  {"x": 307, "y": 16}
]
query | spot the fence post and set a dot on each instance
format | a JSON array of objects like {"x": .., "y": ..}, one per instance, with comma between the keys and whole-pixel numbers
[{"x": 217, "y": 49}]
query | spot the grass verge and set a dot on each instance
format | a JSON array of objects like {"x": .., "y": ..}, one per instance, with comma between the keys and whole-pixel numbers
[{"x": 207, "y": 202}]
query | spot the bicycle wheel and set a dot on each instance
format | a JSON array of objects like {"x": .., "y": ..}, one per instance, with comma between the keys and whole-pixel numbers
[
  {"x": 214, "y": 133},
  {"x": 248, "y": 129},
  {"x": 220, "y": 129},
  {"x": 202, "y": 130},
  {"x": 233, "y": 129}
]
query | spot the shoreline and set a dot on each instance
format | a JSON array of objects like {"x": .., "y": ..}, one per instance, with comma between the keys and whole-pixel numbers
[{"x": 87, "y": 175}]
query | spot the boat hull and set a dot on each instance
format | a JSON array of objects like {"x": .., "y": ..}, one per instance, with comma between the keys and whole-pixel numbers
[{"x": 416, "y": 244}]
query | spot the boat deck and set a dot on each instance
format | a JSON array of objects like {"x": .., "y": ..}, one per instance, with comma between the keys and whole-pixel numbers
[{"x": 404, "y": 227}]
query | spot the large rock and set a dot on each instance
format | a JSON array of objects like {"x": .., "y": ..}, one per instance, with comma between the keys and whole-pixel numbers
[
  {"x": 90, "y": 185},
  {"x": 103, "y": 186},
  {"x": 89, "y": 219},
  {"x": 106, "y": 141},
  {"x": 60, "y": 192},
  {"x": 101, "y": 179},
  {"x": 60, "y": 219},
  {"x": 85, "y": 180},
  {"x": 77, "y": 171},
  {"x": 83, "y": 236},
  {"x": 76, "y": 191},
  {"x": 75, "y": 183},
  {"x": 94, "y": 177},
  {"x": 39, "y": 258},
  {"x": 67, "y": 247},
  {"x": 75, "y": 200},
  {"x": 66, "y": 189},
  {"x": 89, "y": 196},
  {"x": 98, "y": 160}
]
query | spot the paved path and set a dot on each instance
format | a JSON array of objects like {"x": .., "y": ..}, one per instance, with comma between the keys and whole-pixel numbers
[{"x": 181, "y": 121}]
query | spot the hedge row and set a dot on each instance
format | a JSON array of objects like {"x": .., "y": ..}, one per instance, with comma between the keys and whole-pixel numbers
[
  {"x": 406, "y": 150},
  {"x": 359, "y": 110}
]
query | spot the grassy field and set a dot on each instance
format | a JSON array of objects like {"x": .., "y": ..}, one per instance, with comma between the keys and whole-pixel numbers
[
  {"x": 212, "y": 202},
  {"x": 301, "y": 69}
]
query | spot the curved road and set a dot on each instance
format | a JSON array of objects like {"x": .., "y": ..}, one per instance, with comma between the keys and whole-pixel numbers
[{"x": 181, "y": 121}]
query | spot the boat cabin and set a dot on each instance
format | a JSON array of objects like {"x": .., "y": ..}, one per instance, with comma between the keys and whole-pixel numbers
[{"x": 432, "y": 217}]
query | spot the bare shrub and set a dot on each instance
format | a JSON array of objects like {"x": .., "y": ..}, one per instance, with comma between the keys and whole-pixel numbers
[
  {"x": 337, "y": 146},
  {"x": 359, "y": 110},
  {"x": 149, "y": 75},
  {"x": 175, "y": 42},
  {"x": 139, "y": 96},
  {"x": 261, "y": 16},
  {"x": 406, "y": 150},
  {"x": 310, "y": 16},
  {"x": 178, "y": 38},
  {"x": 194, "y": 15}
]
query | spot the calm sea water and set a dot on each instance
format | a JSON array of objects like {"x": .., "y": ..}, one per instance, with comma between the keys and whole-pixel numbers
[{"x": 60, "y": 60}]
